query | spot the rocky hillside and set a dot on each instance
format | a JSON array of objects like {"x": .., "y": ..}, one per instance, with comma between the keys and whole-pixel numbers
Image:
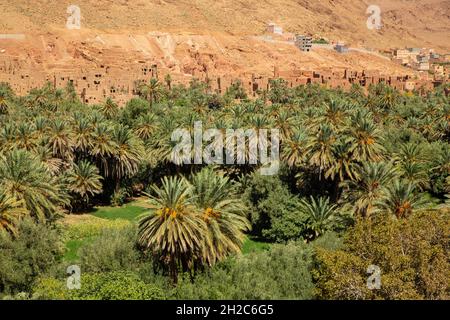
[{"x": 405, "y": 22}]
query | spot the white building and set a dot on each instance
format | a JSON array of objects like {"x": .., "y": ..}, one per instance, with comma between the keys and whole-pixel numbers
[{"x": 275, "y": 29}]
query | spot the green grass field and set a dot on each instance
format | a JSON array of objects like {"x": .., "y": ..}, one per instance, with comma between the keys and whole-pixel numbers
[
  {"x": 128, "y": 212},
  {"x": 72, "y": 247},
  {"x": 252, "y": 245},
  {"x": 131, "y": 211}
]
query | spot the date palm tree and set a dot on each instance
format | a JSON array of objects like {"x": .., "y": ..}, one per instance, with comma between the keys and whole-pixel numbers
[
  {"x": 5, "y": 103},
  {"x": 367, "y": 189},
  {"x": 223, "y": 212},
  {"x": 320, "y": 214},
  {"x": 127, "y": 154},
  {"x": 109, "y": 108},
  {"x": 11, "y": 211},
  {"x": 60, "y": 139},
  {"x": 320, "y": 148},
  {"x": 84, "y": 181},
  {"x": 365, "y": 138},
  {"x": 400, "y": 199},
  {"x": 173, "y": 231},
  {"x": 150, "y": 91},
  {"x": 294, "y": 148},
  {"x": 146, "y": 125},
  {"x": 25, "y": 179}
]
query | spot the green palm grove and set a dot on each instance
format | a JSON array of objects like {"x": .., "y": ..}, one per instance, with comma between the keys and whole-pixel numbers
[{"x": 345, "y": 157}]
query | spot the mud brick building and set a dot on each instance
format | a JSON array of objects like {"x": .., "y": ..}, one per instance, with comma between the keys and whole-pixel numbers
[{"x": 94, "y": 85}]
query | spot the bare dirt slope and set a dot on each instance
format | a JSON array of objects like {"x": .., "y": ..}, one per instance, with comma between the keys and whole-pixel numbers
[
  {"x": 215, "y": 35},
  {"x": 405, "y": 22}
]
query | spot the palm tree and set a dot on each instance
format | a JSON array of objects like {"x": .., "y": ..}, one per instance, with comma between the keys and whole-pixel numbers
[
  {"x": 82, "y": 134},
  {"x": 415, "y": 173},
  {"x": 365, "y": 139},
  {"x": 223, "y": 211},
  {"x": 145, "y": 126},
  {"x": 343, "y": 165},
  {"x": 320, "y": 214},
  {"x": 335, "y": 114},
  {"x": 25, "y": 137},
  {"x": 368, "y": 188},
  {"x": 52, "y": 164},
  {"x": 109, "y": 108},
  {"x": 127, "y": 155},
  {"x": 294, "y": 148},
  {"x": 320, "y": 148},
  {"x": 150, "y": 91},
  {"x": 5, "y": 103},
  {"x": 103, "y": 147},
  {"x": 11, "y": 211},
  {"x": 25, "y": 179},
  {"x": 173, "y": 232},
  {"x": 388, "y": 98},
  {"x": 84, "y": 181},
  {"x": 400, "y": 199},
  {"x": 61, "y": 140}
]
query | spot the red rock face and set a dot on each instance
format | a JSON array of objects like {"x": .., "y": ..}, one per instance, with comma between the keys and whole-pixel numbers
[{"x": 119, "y": 43}]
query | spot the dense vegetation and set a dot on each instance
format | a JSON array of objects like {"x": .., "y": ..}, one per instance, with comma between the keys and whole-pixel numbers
[{"x": 364, "y": 179}]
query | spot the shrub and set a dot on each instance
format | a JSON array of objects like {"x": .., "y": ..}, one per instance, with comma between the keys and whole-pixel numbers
[
  {"x": 99, "y": 286},
  {"x": 412, "y": 255},
  {"x": 119, "y": 197},
  {"x": 113, "y": 250},
  {"x": 279, "y": 273},
  {"x": 33, "y": 253}
]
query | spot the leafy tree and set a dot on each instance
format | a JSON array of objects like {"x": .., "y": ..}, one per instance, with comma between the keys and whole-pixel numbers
[
  {"x": 412, "y": 255},
  {"x": 35, "y": 250}
]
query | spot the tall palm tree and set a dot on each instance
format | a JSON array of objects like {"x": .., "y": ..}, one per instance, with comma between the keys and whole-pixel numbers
[
  {"x": 400, "y": 199},
  {"x": 365, "y": 138},
  {"x": 150, "y": 91},
  {"x": 146, "y": 125},
  {"x": 61, "y": 140},
  {"x": 320, "y": 214},
  {"x": 127, "y": 155},
  {"x": 24, "y": 178},
  {"x": 415, "y": 173},
  {"x": 320, "y": 148},
  {"x": 11, "y": 211},
  {"x": 5, "y": 103},
  {"x": 368, "y": 188},
  {"x": 334, "y": 114},
  {"x": 222, "y": 210},
  {"x": 25, "y": 137},
  {"x": 82, "y": 134},
  {"x": 174, "y": 231},
  {"x": 109, "y": 108},
  {"x": 84, "y": 181},
  {"x": 294, "y": 148},
  {"x": 103, "y": 147}
]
